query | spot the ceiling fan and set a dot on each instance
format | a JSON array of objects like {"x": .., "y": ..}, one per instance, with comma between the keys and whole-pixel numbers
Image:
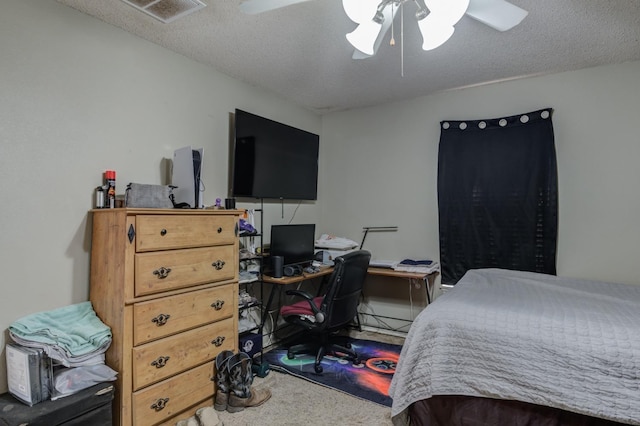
[{"x": 436, "y": 18}]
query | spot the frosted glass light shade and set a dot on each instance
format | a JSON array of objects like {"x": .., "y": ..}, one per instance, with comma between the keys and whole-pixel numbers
[
  {"x": 434, "y": 32},
  {"x": 364, "y": 36}
]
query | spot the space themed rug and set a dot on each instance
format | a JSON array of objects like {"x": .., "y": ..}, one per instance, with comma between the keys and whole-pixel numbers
[{"x": 369, "y": 380}]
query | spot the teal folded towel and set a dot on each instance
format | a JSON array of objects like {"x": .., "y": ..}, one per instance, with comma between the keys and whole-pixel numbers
[{"x": 75, "y": 328}]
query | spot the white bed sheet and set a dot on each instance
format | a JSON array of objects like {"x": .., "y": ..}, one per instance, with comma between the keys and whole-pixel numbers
[{"x": 565, "y": 343}]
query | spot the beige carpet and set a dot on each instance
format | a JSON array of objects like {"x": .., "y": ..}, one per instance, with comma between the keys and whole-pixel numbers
[{"x": 296, "y": 402}]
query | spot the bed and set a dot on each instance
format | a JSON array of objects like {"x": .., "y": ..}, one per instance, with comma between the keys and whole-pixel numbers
[{"x": 519, "y": 348}]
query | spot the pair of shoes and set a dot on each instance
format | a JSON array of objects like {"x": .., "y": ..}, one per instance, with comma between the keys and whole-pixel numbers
[
  {"x": 205, "y": 416},
  {"x": 234, "y": 378}
]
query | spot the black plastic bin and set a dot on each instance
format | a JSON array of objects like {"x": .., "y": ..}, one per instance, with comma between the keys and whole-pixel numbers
[{"x": 89, "y": 407}]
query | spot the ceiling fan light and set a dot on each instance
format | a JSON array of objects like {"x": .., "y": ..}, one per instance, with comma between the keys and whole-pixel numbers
[
  {"x": 434, "y": 33},
  {"x": 360, "y": 11},
  {"x": 450, "y": 11},
  {"x": 364, "y": 36}
]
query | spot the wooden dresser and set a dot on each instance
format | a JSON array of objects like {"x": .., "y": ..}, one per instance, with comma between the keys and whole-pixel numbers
[{"x": 166, "y": 282}]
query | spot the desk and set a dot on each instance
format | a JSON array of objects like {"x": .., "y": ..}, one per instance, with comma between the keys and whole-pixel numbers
[
  {"x": 296, "y": 278},
  {"x": 427, "y": 278},
  {"x": 414, "y": 280}
]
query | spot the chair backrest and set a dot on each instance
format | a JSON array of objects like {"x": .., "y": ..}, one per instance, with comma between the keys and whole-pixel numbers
[{"x": 340, "y": 303}]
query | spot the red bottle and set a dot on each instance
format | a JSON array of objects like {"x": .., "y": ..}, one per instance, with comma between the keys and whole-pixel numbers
[{"x": 110, "y": 177}]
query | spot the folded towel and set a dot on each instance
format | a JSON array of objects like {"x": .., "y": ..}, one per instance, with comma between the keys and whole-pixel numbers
[{"x": 76, "y": 329}]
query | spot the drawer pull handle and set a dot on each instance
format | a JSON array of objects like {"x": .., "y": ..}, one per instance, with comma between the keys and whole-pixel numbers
[
  {"x": 163, "y": 232},
  {"x": 161, "y": 319},
  {"x": 218, "y": 264},
  {"x": 162, "y": 273},
  {"x": 160, "y": 362},
  {"x": 217, "y": 305},
  {"x": 160, "y": 404},
  {"x": 218, "y": 341},
  {"x": 220, "y": 230}
]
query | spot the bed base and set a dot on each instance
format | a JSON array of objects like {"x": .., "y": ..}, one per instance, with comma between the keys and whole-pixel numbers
[{"x": 455, "y": 410}]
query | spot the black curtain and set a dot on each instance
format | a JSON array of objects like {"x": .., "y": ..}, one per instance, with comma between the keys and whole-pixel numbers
[{"x": 498, "y": 195}]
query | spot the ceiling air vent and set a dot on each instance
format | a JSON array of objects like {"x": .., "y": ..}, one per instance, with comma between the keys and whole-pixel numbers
[{"x": 166, "y": 10}]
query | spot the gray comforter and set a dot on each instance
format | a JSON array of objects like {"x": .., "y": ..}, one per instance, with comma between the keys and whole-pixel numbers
[{"x": 565, "y": 343}]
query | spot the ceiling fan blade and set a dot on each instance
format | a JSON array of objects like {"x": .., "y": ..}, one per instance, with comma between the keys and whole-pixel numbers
[
  {"x": 253, "y": 7},
  {"x": 386, "y": 24},
  {"x": 498, "y": 14}
]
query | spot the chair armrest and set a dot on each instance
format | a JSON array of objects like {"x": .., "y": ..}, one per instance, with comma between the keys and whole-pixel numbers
[
  {"x": 305, "y": 296},
  {"x": 300, "y": 293}
]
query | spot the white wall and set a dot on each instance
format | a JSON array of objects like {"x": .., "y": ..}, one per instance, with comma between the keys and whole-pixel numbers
[
  {"x": 383, "y": 162},
  {"x": 78, "y": 97}
]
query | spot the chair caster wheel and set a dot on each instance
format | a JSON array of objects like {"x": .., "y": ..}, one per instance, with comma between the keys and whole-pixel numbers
[
  {"x": 318, "y": 369},
  {"x": 290, "y": 355}
]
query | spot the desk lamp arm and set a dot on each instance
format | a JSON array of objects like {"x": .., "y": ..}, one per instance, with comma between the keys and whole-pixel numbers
[{"x": 366, "y": 230}]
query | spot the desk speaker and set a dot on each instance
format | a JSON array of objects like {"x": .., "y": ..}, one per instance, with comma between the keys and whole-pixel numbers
[
  {"x": 292, "y": 270},
  {"x": 277, "y": 263}
]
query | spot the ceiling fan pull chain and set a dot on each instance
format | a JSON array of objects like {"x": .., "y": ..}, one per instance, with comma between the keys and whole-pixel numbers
[
  {"x": 392, "y": 42},
  {"x": 401, "y": 39}
]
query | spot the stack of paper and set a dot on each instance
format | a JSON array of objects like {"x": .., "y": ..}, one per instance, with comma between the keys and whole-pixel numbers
[
  {"x": 378, "y": 263},
  {"x": 421, "y": 266}
]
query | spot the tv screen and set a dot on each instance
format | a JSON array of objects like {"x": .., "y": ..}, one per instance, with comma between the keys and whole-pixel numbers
[
  {"x": 273, "y": 160},
  {"x": 293, "y": 242}
]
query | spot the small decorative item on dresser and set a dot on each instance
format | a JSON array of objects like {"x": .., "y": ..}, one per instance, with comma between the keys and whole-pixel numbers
[
  {"x": 230, "y": 203},
  {"x": 99, "y": 197}
]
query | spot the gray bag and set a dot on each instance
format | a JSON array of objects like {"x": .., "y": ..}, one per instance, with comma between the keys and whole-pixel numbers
[{"x": 148, "y": 196}]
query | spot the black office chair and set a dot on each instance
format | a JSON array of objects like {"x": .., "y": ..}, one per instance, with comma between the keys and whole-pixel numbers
[{"x": 324, "y": 316}]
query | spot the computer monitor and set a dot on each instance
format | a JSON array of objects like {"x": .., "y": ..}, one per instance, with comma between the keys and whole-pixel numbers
[{"x": 293, "y": 242}]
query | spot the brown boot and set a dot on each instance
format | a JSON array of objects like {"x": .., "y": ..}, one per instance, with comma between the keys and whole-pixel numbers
[
  {"x": 240, "y": 378},
  {"x": 222, "y": 380}
]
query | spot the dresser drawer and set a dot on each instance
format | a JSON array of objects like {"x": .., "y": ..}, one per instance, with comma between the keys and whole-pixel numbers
[
  {"x": 156, "y": 232},
  {"x": 167, "y": 270},
  {"x": 169, "y": 315},
  {"x": 166, "y": 399},
  {"x": 160, "y": 359}
]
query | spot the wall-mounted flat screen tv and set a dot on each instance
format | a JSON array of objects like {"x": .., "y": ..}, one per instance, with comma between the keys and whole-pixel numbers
[{"x": 273, "y": 160}]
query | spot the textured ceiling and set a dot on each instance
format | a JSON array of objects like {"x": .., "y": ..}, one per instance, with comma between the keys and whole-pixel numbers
[{"x": 300, "y": 52}]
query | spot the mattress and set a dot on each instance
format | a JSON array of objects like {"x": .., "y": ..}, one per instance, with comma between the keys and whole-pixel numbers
[{"x": 565, "y": 343}]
